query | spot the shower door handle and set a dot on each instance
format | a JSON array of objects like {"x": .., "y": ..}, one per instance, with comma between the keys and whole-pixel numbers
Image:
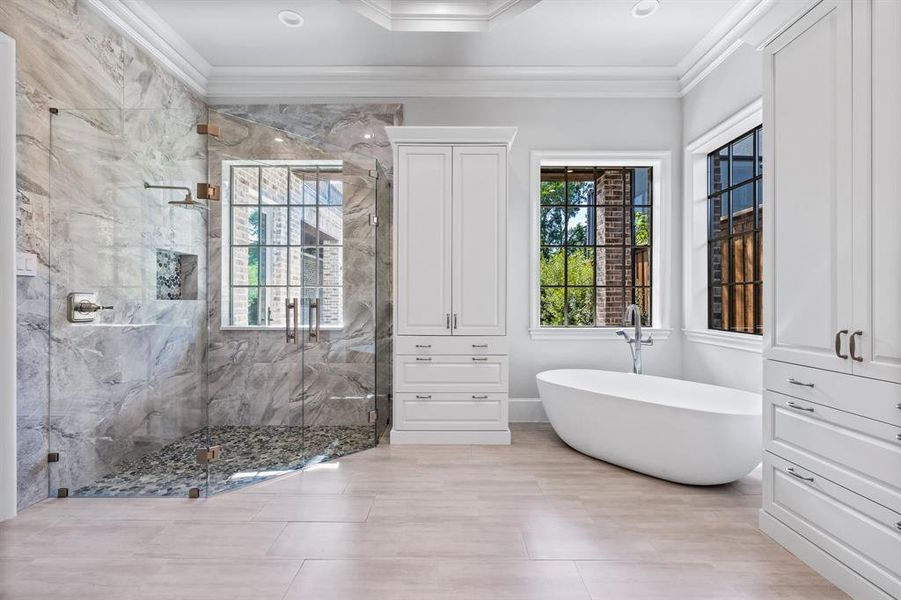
[
  {"x": 290, "y": 311},
  {"x": 314, "y": 332}
]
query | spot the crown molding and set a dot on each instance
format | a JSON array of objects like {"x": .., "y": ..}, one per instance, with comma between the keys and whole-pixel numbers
[
  {"x": 230, "y": 84},
  {"x": 146, "y": 29},
  {"x": 750, "y": 22},
  {"x": 419, "y": 15}
]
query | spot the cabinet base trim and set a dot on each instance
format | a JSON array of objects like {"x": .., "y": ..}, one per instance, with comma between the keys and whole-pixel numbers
[
  {"x": 820, "y": 561},
  {"x": 501, "y": 437}
]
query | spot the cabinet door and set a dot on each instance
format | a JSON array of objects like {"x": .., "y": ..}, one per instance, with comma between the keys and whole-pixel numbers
[
  {"x": 807, "y": 199},
  {"x": 423, "y": 237},
  {"x": 480, "y": 241},
  {"x": 877, "y": 187}
]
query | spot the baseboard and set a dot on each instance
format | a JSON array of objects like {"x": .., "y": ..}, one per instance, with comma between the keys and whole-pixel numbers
[
  {"x": 820, "y": 561},
  {"x": 526, "y": 410},
  {"x": 501, "y": 437}
]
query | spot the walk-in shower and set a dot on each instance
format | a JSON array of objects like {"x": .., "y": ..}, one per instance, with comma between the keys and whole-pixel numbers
[{"x": 243, "y": 340}]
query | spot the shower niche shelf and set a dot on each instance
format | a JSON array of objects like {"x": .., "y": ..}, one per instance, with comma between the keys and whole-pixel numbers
[{"x": 176, "y": 275}]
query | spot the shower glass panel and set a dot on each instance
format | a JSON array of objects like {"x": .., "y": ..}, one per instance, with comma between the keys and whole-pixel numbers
[
  {"x": 292, "y": 325},
  {"x": 128, "y": 381}
]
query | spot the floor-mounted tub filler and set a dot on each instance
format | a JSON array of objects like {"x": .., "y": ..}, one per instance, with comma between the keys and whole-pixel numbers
[{"x": 682, "y": 431}]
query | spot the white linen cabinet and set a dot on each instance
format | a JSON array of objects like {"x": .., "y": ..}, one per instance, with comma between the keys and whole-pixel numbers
[
  {"x": 450, "y": 283},
  {"x": 832, "y": 322}
]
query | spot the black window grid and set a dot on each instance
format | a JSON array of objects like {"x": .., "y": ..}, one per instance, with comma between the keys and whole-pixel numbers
[
  {"x": 262, "y": 287},
  {"x": 630, "y": 250},
  {"x": 732, "y": 291}
]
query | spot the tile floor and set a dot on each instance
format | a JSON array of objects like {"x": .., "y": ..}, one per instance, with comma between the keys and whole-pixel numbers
[{"x": 534, "y": 520}]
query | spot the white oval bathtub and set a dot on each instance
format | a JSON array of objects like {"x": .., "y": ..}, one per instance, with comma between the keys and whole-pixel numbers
[{"x": 672, "y": 429}]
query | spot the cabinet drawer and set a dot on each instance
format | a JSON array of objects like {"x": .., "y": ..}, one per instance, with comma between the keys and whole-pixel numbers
[
  {"x": 870, "y": 398},
  {"x": 859, "y": 453},
  {"x": 484, "y": 374},
  {"x": 859, "y": 532},
  {"x": 461, "y": 345},
  {"x": 444, "y": 411}
]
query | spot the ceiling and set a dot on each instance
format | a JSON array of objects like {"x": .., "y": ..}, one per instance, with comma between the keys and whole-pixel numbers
[
  {"x": 550, "y": 33},
  {"x": 237, "y": 50}
]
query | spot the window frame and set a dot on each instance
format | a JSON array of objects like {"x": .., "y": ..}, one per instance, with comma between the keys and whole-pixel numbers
[
  {"x": 755, "y": 181},
  {"x": 227, "y": 247},
  {"x": 695, "y": 232},
  {"x": 661, "y": 245}
]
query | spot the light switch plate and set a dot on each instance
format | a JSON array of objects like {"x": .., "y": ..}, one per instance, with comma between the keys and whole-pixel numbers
[{"x": 26, "y": 264}]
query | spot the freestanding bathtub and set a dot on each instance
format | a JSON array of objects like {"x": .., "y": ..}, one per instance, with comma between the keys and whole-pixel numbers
[{"x": 678, "y": 430}]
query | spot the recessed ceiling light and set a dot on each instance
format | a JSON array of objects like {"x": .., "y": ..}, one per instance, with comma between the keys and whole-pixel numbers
[
  {"x": 645, "y": 8},
  {"x": 289, "y": 18},
  {"x": 367, "y": 136},
  {"x": 279, "y": 139}
]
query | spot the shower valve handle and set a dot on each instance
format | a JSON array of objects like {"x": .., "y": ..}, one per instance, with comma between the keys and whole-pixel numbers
[{"x": 88, "y": 307}]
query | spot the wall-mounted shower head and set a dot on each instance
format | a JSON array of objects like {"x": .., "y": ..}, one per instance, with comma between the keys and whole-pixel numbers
[{"x": 189, "y": 198}]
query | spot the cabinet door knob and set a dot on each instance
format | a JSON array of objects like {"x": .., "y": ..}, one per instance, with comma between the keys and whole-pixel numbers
[
  {"x": 838, "y": 344},
  {"x": 853, "y": 346}
]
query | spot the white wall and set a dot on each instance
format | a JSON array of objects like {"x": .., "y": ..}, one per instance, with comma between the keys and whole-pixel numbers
[
  {"x": 735, "y": 84},
  {"x": 568, "y": 124}
]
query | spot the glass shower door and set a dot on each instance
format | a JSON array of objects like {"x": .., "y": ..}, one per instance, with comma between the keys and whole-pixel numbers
[{"x": 128, "y": 303}]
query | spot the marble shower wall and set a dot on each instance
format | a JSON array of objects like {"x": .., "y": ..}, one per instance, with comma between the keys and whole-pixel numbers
[
  {"x": 69, "y": 58},
  {"x": 253, "y": 374}
]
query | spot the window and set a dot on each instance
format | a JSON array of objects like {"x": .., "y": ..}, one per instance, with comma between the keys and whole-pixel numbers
[
  {"x": 595, "y": 236},
  {"x": 735, "y": 212},
  {"x": 283, "y": 236}
]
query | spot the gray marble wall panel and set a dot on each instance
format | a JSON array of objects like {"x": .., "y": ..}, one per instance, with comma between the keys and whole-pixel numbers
[
  {"x": 254, "y": 375},
  {"x": 69, "y": 58}
]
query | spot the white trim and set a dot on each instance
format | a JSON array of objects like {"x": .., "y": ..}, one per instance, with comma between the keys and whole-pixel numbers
[
  {"x": 273, "y": 83},
  {"x": 526, "y": 410},
  {"x": 8, "y": 277},
  {"x": 144, "y": 27},
  {"x": 500, "y": 437},
  {"x": 425, "y": 16},
  {"x": 694, "y": 224},
  {"x": 592, "y": 333},
  {"x": 451, "y": 135},
  {"x": 661, "y": 246},
  {"x": 725, "y": 339}
]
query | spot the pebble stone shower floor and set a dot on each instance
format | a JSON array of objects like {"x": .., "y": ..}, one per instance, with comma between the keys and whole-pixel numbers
[{"x": 250, "y": 454}]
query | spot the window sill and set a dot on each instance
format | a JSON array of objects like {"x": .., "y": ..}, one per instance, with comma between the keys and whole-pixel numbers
[
  {"x": 591, "y": 333},
  {"x": 277, "y": 328},
  {"x": 725, "y": 339}
]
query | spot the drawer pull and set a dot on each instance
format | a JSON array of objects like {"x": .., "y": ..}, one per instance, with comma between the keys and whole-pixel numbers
[
  {"x": 791, "y": 471},
  {"x": 426, "y": 359},
  {"x": 480, "y": 345},
  {"x": 898, "y": 437},
  {"x": 479, "y": 358},
  {"x": 418, "y": 397},
  {"x": 483, "y": 397},
  {"x": 798, "y": 407},
  {"x": 794, "y": 381},
  {"x": 898, "y": 525},
  {"x": 853, "y": 346},
  {"x": 898, "y": 406},
  {"x": 423, "y": 345}
]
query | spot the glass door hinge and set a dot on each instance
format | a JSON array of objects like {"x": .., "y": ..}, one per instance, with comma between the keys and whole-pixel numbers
[
  {"x": 207, "y": 455},
  {"x": 207, "y": 191},
  {"x": 373, "y": 417},
  {"x": 374, "y": 173},
  {"x": 62, "y": 493},
  {"x": 207, "y": 129},
  {"x": 373, "y": 220},
  {"x": 52, "y": 457}
]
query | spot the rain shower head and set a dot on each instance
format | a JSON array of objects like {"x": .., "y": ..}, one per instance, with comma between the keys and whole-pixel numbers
[{"x": 189, "y": 198}]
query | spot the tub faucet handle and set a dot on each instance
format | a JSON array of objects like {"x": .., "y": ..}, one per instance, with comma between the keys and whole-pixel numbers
[{"x": 649, "y": 341}]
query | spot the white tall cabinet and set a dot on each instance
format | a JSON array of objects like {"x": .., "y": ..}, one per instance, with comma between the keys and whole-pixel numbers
[
  {"x": 832, "y": 277},
  {"x": 450, "y": 278}
]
